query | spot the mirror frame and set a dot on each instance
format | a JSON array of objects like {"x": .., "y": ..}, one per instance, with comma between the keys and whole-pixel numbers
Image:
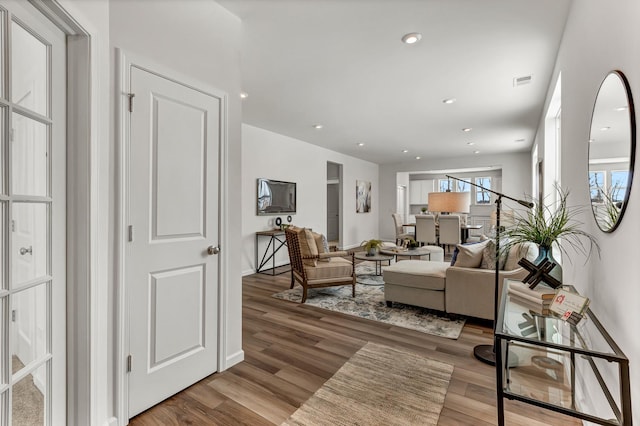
[{"x": 632, "y": 149}]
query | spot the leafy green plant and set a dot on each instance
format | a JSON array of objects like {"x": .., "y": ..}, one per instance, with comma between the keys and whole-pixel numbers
[
  {"x": 545, "y": 225},
  {"x": 371, "y": 246}
]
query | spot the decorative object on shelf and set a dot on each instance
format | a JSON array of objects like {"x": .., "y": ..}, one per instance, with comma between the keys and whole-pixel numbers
[
  {"x": 539, "y": 272},
  {"x": 372, "y": 247},
  {"x": 570, "y": 306},
  {"x": 289, "y": 218},
  {"x": 545, "y": 225},
  {"x": 423, "y": 210},
  {"x": 278, "y": 221},
  {"x": 612, "y": 146},
  {"x": 410, "y": 243},
  {"x": 363, "y": 196}
]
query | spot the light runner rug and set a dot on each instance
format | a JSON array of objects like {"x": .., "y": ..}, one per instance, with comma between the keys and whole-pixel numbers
[
  {"x": 379, "y": 385},
  {"x": 369, "y": 303}
]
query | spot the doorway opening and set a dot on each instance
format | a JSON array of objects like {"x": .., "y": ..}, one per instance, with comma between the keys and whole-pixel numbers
[{"x": 334, "y": 204}]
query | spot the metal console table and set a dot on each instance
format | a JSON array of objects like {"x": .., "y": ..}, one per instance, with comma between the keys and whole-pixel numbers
[
  {"x": 277, "y": 240},
  {"x": 539, "y": 359}
]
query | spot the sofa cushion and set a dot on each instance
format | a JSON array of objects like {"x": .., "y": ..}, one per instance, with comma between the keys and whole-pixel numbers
[
  {"x": 417, "y": 273},
  {"x": 517, "y": 252},
  {"x": 470, "y": 255},
  {"x": 489, "y": 256},
  {"x": 454, "y": 256}
]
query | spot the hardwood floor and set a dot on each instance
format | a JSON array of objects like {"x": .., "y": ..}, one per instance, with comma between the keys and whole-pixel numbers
[{"x": 291, "y": 350}]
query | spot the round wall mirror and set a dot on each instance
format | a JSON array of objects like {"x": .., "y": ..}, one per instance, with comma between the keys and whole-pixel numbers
[{"x": 612, "y": 147}]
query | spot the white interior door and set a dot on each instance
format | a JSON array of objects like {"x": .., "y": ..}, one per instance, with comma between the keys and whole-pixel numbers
[
  {"x": 171, "y": 279},
  {"x": 33, "y": 217}
]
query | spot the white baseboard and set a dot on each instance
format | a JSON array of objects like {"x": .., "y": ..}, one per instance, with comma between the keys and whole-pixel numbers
[{"x": 235, "y": 358}]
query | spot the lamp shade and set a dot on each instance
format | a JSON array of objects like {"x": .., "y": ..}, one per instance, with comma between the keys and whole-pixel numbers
[{"x": 449, "y": 202}]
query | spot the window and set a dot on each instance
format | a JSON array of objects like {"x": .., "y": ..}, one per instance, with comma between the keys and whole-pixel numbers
[
  {"x": 483, "y": 197},
  {"x": 463, "y": 185},
  {"x": 619, "y": 179},
  {"x": 596, "y": 186},
  {"x": 444, "y": 185}
]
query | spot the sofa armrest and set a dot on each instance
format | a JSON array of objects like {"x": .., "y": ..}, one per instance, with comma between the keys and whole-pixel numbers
[{"x": 470, "y": 291}]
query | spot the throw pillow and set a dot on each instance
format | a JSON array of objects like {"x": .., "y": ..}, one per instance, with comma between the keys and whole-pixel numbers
[
  {"x": 308, "y": 246},
  {"x": 470, "y": 256},
  {"x": 517, "y": 252},
  {"x": 489, "y": 256},
  {"x": 454, "y": 256}
]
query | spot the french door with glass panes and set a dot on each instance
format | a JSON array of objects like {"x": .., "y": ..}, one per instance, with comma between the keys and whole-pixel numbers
[{"x": 32, "y": 218}]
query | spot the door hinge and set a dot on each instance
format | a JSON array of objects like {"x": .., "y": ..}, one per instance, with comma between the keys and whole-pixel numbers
[
  {"x": 13, "y": 316},
  {"x": 13, "y": 225},
  {"x": 129, "y": 364},
  {"x": 130, "y": 233},
  {"x": 131, "y": 96}
]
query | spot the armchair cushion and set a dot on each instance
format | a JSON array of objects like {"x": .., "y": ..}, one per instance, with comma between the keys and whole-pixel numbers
[
  {"x": 334, "y": 268},
  {"x": 308, "y": 247},
  {"x": 489, "y": 256}
]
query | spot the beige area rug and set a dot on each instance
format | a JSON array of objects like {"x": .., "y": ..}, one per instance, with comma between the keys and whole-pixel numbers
[{"x": 379, "y": 385}]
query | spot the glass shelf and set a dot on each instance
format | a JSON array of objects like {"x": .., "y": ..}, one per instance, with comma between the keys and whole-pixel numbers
[{"x": 545, "y": 361}]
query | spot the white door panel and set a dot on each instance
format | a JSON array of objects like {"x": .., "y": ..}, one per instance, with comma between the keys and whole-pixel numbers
[{"x": 171, "y": 281}]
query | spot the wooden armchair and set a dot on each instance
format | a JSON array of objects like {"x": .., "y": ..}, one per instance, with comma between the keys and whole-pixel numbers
[{"x": 312, "y": 267}]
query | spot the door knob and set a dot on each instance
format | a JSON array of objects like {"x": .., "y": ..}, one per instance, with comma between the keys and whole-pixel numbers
[
  {"x": 24, "y": 250},
  {"x": 213, "y": 250}
]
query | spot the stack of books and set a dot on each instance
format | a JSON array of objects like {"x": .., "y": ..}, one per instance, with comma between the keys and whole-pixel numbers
[{"x": 538, "y": 300}]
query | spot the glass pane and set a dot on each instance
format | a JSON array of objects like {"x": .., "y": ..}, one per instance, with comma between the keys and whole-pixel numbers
[
  {"x": 3, "y": 353},
  {"x": 29, "y": 70},
  {"x": 30, "y": 163},
  {"x": 4, "y": 406},
  {"x": 3, "y": 147},
  {"x": 30, "y": 242},
  {"x": 28, "y": 398},
  {"x": 28, "y": 326},
  {"x": 4, "y": 259}
]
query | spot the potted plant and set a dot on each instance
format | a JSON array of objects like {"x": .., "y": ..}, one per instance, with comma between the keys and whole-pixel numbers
[
  {"x": 410, "y": 243},
  {"x": 423, "y": 210},
  {"x": 372, "y": 247},
  {"x": 544, "y": 225}
]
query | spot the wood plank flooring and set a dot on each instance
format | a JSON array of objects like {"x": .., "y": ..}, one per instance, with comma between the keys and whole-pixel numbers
[{"x": 291, "y": 350}]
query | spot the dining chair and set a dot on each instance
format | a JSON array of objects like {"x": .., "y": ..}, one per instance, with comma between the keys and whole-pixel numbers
[
  {"x": 426, "y": 229},
  {"x": 449, "y": 226},
  {"x": 400, "y": 234}
]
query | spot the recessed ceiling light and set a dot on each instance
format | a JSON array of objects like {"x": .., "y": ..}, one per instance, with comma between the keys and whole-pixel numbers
[
  {"x": 622, "y": 108},
  {"x": 605, "y": 128},
  {"x": 318, "y": 126},
  {"x": 417, "y": 158},
  {"x": 244, "y": 95},
  {"x": 519, "y": 140},
  {"x": 466, "y": 129},
  {"x": 448, "y": 100},
  {"x": 360, "y": 144},
  {"x": 471, "y": 143},
  {"x": 476, "y": 152},
  {"x": 405, "y": 150},
  {"x": 411, "y": 38}
]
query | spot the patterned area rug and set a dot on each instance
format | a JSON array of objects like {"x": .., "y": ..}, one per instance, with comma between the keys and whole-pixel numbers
[
  {"x": 379, "y": 385},
  {"x": 369, "y": 303},
  {"x": 366, "y": 274}
]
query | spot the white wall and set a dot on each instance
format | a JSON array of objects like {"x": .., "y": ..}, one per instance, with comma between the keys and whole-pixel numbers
[
  {"x": 601, "y": 36},
  {"x": 271, "y": 155},
  {"x": 516, "y": 179}
]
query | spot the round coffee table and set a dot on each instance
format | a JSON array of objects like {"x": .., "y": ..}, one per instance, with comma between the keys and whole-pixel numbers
[
  {"x": 377, "y": 259},
  {"x": 411, "y": 253}
]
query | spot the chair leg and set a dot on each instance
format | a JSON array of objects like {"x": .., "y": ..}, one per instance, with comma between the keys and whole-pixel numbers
[
  {"x": 353, "y": 290},
  {"x": 304, "y": 294},
  {"x": 389, "y": 304},
  {"x": 292, "y": 280}
]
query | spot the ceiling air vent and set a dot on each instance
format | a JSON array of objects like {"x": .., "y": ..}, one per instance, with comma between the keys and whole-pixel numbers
[{"x": 521, "y": 81}]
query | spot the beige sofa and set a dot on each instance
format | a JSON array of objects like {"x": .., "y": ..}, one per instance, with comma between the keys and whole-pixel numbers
[{"x": 460, "y": 290}]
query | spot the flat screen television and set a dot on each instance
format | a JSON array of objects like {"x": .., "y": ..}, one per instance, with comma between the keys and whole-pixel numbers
[{"x": 276, "y": 197}]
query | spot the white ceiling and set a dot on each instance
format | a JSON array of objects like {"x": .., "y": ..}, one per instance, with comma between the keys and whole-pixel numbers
[{"x": 341, "y": 63}]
